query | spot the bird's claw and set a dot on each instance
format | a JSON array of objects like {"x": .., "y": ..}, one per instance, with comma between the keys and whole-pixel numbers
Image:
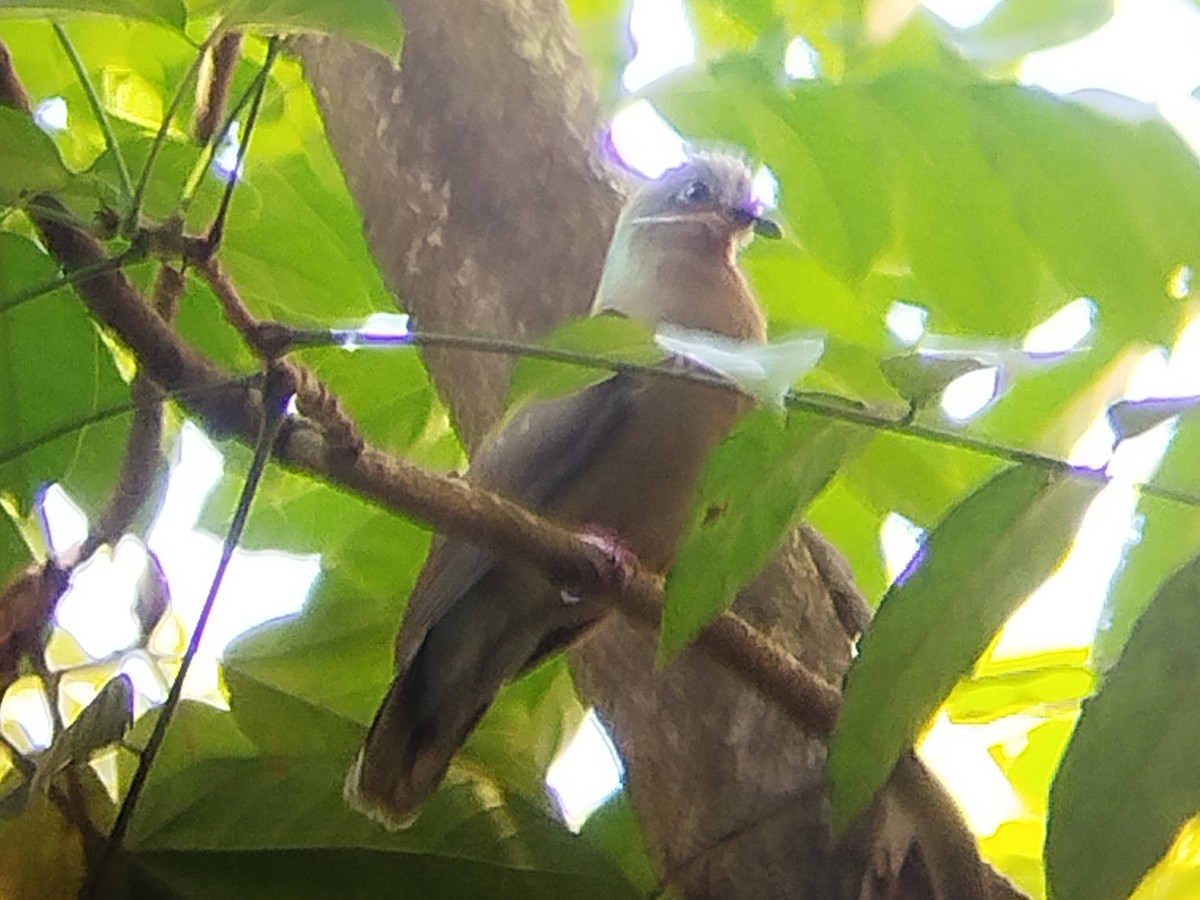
[{"x": 620, "y": 562}]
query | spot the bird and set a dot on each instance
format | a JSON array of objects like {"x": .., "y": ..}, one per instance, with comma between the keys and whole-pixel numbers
[{"x": 622, "y": 456}]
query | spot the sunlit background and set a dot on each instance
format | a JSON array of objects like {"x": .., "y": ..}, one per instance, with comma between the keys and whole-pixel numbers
[{"x": 1141, "y": 64}]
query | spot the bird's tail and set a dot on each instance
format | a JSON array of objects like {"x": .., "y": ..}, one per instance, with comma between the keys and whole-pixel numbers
[
  {"x": 409, "y": 746},
  {"x": 440, "y": 695}
]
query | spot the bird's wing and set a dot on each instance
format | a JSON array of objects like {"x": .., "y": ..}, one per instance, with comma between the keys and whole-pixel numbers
[{"x": 541, "y": 451}]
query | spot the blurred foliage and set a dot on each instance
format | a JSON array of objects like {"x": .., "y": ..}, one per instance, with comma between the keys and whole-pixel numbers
[{"x": 912, "y": 168}]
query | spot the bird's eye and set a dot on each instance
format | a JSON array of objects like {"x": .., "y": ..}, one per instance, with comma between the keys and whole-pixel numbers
[{"x": 695, "y": 192}]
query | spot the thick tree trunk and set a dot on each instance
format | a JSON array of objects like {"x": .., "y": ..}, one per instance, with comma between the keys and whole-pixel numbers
[{"x": 474, "y": 163}]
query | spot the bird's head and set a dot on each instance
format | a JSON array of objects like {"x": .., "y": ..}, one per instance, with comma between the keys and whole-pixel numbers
[
  {"x": 709, "y": 191},
  {"x": 673, "y": 256}
]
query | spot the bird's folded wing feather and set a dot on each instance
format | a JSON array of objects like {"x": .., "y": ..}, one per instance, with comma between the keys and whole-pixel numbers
[{"x": 539, "y": 453}]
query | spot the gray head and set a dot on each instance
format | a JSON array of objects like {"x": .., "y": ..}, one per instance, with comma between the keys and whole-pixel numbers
[
  {"x": 673, "y": 256},
  {"x": 711, "y": 189}
]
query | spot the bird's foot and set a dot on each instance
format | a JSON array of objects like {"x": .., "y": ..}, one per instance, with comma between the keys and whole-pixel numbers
[{"x": 617, "y": 562}]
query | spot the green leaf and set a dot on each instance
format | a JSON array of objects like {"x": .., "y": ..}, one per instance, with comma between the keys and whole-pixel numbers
[
  {"x": 606, "y": 336},
  {"x": 1022, "y": 687},
  {"x": 1129, "y": 418},
  {"x": 29, "y": 162},
  {"x": 953, "y": 214},
  {"x": 311, "y": 684},
  {"x": 755, "y": 485},
  {"x": 374, "y": 23},
  {"x": 1169, "y": 535},
  {"x": 160, "y": 12},
  {"x": 1016, "y": 28},
  {"x": 219, "y": 820},
  {"x": 817, "y": 140},
  {"x": 920, "y": 379},
  {"x": 1062, "y": 164},
  {"x": 852, "y": 524},
  {"x": 41, "y": 853},
  {"x": 364, "y": 873},
  {"x": 282, "y": 213},
  {"x": 43, "y": 405},
  {"x": 604, "y": 40},
  {"x": 1031, "y": 770},
  {"x": 1129, "y": 778},
  {"x": 981, "y": 561},
  {"x": 614, "y": 829},
  {"x": 199, "y": 733},
  {"x": 936, "y": 476},
  {"x": 104, "y": 721},
  {"x": 313, "y": 681}
]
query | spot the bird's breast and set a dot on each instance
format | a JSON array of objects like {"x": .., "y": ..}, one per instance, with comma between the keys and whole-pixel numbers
[{"x": 643, "y": 483}]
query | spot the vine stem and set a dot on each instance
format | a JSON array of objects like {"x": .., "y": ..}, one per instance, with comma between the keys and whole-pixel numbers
[
  {"x": 160, "y": 137},
  {"x": 276, "y": 393},
  {"x": 110, "y": 412},
  {"x": 93, "y": 98},
  {"x": 128, "y": 258},
  {"x": 192, "y": 185},
  {"x": 217, "y": 231},
  {"x": 833, "y": 406}
]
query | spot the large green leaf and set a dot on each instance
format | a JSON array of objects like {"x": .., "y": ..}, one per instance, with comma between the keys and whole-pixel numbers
[
  {"x": 614, "y": 830},
  {"x": 28, "y": 161},
  {"x": 953, "y": 215},
  {"x": 604, "y": 41},
  {"x": 754, "y": 486},
  {"x": 160, "y": 12},
  {"x": 133, "y": 65},
  {"x": 1063, "y": 166},
  {"x": 936, "y": 475},
  {"x": 832, "y": 27},
  {"x": 1017, "y": 27},
  {"x": 986, "y": 187},
  {"x": 1169, "y": 536},
  {"x": 295, "y": 245},
  {"x": 218, "y": 819},
  {"x": 311, "y": 684},
  {"x": 817, "y": 140},
  {"x": 852, "y": 524},
  {"x": 359, "y": 872},
  {"x": 983, "y": 559},
  {"x": 1129, "y": 778},
  {"x": 55, "y": 372},
  {"x": 371, "y": 22},
  {"x": 1024, "y": 686}
]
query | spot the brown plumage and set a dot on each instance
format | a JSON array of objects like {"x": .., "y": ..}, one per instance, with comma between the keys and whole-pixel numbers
[{"x": 623, "y": 454}]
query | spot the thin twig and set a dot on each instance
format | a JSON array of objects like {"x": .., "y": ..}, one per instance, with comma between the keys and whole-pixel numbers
[
  {"x": 217, "y": 231},
  {"x": 822, "y": 404},
  {"x": 273, "y": 408},
  {"x": 237, "y": 313},
  {"x": 192, "y": 185},
  {"x": 314, "y": 399},
  {"x": 136, "y": 480},
  {"x": 119, "y": 409},
  {"x": 160, "y": 137},
  {"x": 214, "y": 86},
  {"x": 12, "y": 92},
  {"x": 93, "y": 98},
  {"x": 132, "y": 256},
  {"x": 22, "y": 763}
]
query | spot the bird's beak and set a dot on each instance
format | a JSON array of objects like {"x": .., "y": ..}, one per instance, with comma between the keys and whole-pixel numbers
[
  {"x": 767, "y": 228},
  {"x": 762, "y": 226}
]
